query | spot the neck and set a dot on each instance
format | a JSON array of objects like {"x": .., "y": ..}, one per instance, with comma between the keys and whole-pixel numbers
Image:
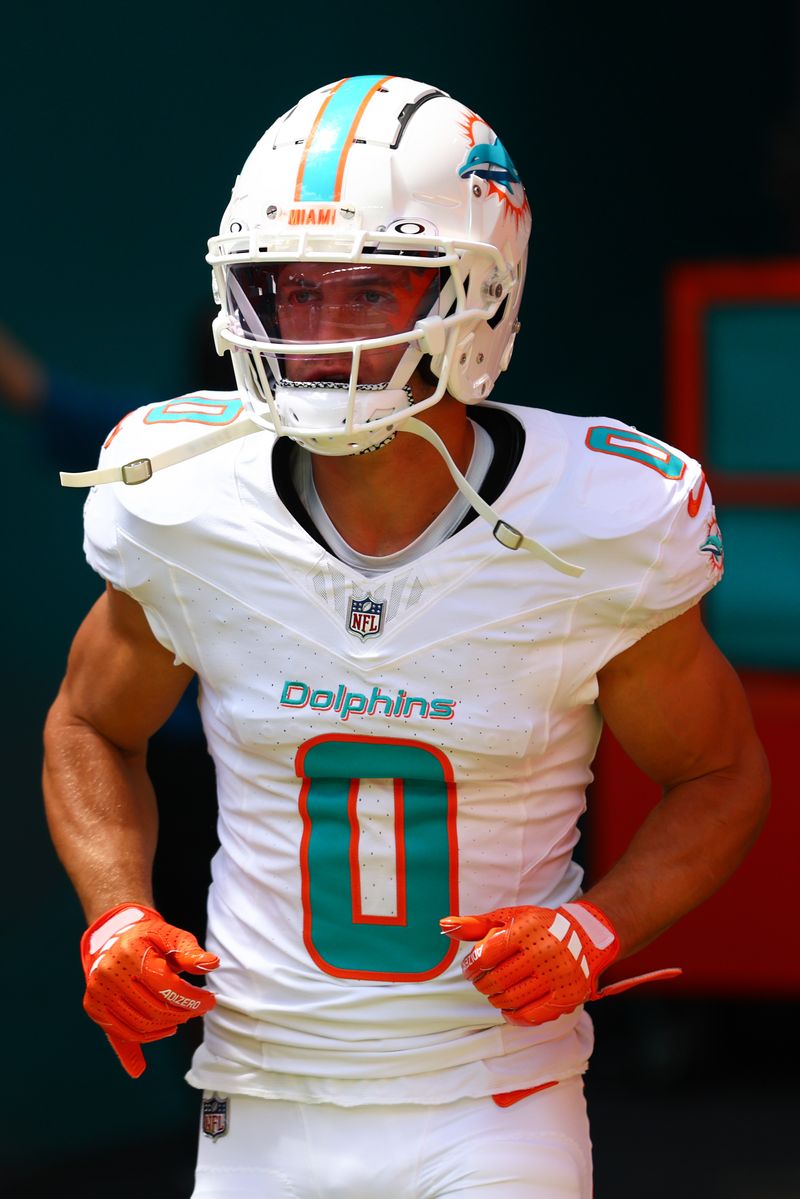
[{"x": 381, "y": 502}]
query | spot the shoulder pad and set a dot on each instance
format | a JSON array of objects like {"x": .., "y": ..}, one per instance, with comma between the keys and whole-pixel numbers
[
  {"x": 157, "y": 427},
  {"x": 181, "y": 491},
  {"x": 623, "y": 481}
]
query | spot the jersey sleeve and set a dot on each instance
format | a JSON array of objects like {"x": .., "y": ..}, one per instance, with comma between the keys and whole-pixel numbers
[
  {"x": 689, "y": 560},
  {"x": 103, "y": 514},
  {"x": 101, "y": 547},
  {"x": 133, "y": 532},
  {"x": 100, "y": 538},
  {"x": 686, "y": 560},
  {"x": 108, "y": 550},
  {"x": 652, "y": 547}
]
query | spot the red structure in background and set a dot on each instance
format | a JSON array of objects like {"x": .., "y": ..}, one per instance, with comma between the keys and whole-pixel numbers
[{"x": 737, "y": 943}]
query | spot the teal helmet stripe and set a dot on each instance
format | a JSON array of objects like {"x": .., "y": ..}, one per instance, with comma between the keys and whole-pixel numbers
[{"x": 330, "y": 139}]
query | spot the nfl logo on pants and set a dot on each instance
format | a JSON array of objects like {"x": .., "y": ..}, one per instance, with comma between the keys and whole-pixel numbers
[{"x": 215, "y": 1117}]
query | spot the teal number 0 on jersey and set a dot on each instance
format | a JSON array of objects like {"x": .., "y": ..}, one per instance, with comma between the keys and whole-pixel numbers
[{"x": 341, "y": 938}]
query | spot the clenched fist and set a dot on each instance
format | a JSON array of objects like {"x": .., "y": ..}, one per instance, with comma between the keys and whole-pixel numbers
[
  {"x": 535, "y": 964},
  {"x": 131, "y": 957}
]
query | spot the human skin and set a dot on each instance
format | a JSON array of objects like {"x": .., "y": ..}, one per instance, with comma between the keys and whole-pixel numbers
[{"x": 330, "y": 302}]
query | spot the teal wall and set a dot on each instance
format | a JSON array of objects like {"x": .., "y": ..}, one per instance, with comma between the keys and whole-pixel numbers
[
  {"x": 753, "y": 379},
  {"x": 752, "y": 369}
]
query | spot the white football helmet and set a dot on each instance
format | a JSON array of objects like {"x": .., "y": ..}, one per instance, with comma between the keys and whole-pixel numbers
[{"x": 371, "y": 178}]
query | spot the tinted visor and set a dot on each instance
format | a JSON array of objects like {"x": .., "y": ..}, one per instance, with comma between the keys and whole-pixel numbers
[{"x": 300, "y": 302}]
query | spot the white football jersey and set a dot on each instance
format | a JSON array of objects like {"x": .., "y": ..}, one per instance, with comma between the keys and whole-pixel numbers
[{"x": 392, "y": 750}]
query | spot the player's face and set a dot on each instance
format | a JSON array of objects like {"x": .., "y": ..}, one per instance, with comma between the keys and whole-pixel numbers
[{"x": 336, "y": 302}]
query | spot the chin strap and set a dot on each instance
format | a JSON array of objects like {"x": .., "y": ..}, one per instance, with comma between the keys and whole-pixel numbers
[
  {"x": 142, "y": 469},
  {"x": 506, "y": 534}
]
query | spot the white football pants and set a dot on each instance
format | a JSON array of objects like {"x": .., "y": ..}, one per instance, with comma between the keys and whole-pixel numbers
[{"x": 539, "y": 1148}]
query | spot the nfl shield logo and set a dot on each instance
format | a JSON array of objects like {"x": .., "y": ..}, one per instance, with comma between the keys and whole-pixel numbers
[
  {"x": 215, "y": 1117},
  {"x": 365, "y": 617}
]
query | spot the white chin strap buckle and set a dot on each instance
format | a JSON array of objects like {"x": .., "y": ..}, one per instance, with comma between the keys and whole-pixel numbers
[
  {"x": 138, "y": 471},
  {"x": 507, "y": 535}
]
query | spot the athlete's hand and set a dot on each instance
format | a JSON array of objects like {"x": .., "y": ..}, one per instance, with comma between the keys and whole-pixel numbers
[
  {"x": 130, "y": 957},
  {"x": 535, "y": 964}
]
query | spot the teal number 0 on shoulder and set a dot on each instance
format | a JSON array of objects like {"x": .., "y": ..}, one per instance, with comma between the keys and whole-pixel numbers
[
  {"x": 636, "y": 447},
  {"x": 195, "y": 410}
]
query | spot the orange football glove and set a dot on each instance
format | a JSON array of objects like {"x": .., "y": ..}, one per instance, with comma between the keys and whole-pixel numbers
[
  {"x": 130, "y": 957},
  {"x": 535, "y": 964}
]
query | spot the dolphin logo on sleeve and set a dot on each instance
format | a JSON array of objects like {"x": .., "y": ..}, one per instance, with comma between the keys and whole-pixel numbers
[{"x": 712, "y": 546}]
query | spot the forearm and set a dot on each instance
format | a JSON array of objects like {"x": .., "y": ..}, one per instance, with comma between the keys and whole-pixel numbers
[
  {"x": 101, "y": 811},
  {"x": 690, "y": 843}
]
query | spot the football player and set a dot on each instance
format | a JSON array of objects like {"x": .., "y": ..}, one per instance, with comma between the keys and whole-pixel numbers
[{"x": 409, "y": 608}]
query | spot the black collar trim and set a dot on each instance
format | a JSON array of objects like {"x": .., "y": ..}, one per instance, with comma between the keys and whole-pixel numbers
[{"x": 506, "y": 433}]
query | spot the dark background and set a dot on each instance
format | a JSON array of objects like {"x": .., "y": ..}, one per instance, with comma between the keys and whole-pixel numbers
[{"x": 646, "y": 135}]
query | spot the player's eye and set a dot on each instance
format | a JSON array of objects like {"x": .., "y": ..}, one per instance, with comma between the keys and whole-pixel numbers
[
  {"x": 301, "y": 296},
  {"x": 373, "y": 296}
]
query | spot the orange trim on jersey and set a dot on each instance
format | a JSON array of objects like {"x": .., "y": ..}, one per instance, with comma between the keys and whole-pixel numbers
[
  {"x": 693, "y": 503},
  {"x": 400, "y": 846},
  {"x": 351, "y": 133},
  {"x": 508, "y": 1098},
  {"x": 401, "y": 913},
  {"x": 115, "y": 430}
]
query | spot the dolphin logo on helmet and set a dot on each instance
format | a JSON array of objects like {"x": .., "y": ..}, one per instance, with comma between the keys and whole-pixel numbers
[{"x": 491, "y": 161}]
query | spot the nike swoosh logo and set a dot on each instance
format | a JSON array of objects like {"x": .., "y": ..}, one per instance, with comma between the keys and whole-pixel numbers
[{"x": 693, "y": 505}]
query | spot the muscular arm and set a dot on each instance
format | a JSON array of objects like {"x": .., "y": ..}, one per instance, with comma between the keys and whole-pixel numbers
[
  {"x": 120, "y": 687},
  {"x": 677, "y": 708}
]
